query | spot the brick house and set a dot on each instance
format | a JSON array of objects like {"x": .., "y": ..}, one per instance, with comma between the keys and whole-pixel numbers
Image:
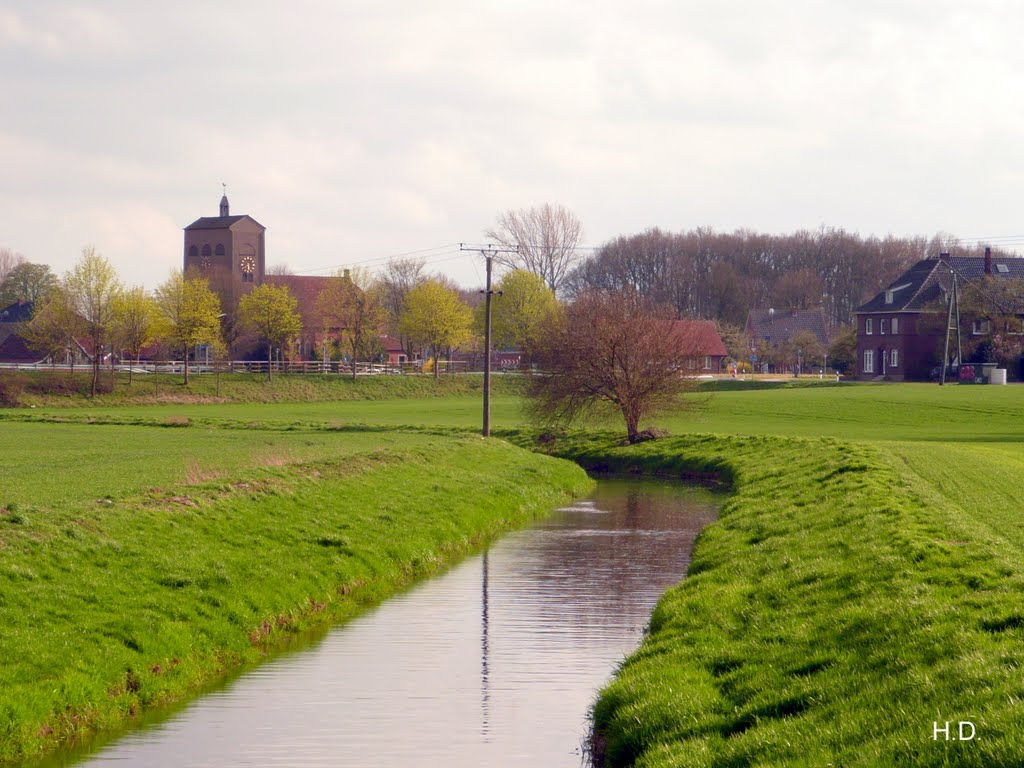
[
  {"x": 708, "y": 344},
  {"x": 900, "y": 331},
  {"x": 767, "y": 329}
]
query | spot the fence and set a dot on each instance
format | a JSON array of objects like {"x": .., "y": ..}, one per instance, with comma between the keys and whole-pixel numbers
[{"x": 249, "y": 366}]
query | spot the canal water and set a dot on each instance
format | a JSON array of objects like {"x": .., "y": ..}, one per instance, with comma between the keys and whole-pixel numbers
[{"x": 494, "y": 663}]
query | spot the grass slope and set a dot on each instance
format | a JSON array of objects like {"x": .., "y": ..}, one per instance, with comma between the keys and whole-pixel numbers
[
  {"x": 127, "y": 584},
  {"x": 843, "y": 603}
]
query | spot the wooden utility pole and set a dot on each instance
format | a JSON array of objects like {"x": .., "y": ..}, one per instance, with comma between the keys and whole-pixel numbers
[
  {"x": 487, "y": 251},
  {"x": 952, "y": 320}
]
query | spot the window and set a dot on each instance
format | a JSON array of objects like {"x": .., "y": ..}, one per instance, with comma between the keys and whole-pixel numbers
[
  {"x": 981, "y": 327},
  {"x": 881, "y": 326},
  {"x": 894, "y": 326},
  {"x": 707, "y": 362},
  {"x": 867, "y": 326},
  {"x": 219, "y": 250},
  {"x": 1015, "y": 326},
  {"x": 206, "y": 250},
  {"x": 869, "y": 361},
  {"x": 1002, "y": 269},
  {"x": 193, "y": 251},
  {"x": 894, "y": 358}
]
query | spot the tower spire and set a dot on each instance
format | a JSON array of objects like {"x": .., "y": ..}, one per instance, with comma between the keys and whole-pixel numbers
[{"x": 224, "y": 201}]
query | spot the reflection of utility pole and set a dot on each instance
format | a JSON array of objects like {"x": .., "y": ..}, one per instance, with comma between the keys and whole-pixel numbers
[
  {"x": 487, "y": 251},
  {"x": 952, "y": 315},
  {"x": 485, "y": 653}
]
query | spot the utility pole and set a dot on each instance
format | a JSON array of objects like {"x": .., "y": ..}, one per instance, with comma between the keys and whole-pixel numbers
[
  {"x": 952, "y": 320},
  {"x": 487, "y": 251}
]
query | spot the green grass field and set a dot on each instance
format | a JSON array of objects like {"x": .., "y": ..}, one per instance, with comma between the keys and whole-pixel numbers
[
  {"x": 865, "y": 580},
  {"x": 141, "y": 562}
]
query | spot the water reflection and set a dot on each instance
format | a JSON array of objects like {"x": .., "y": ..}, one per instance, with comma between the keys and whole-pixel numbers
[{"x": 495, "y": 663}]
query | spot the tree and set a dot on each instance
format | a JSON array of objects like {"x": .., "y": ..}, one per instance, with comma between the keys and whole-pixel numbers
[
  {"x": 188, "y": 313},
  {"x": 519, "y": 315},
  {"x": 545, "y": 237},
  {"x": 8, "y": 261},
  {"x": 273, "y": 313},
  {"x": 26, "y": 282},
  {"x": 354, "y": 314},
  {"x": 801, "y": 349},
  {"x": 400, "y": 276},
  {"x": 135, "y": 323},
  {"x": 90, "y": 288},
  {"x": 613, "y": 349},
  {"x": 53, "y": 326},
  {"x": 843, "y": 350},
  {"x": 434, "y": 317}
]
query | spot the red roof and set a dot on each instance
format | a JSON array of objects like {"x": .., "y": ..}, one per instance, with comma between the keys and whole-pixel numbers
[
  {"x": 305, "y": 288},
  {"x": 704, "y": 336}
]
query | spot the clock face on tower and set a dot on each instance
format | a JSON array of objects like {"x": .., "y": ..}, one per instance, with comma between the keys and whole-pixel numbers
[
  {"x": 205, "y": 263},
  {"x": 248, "y": 264}
]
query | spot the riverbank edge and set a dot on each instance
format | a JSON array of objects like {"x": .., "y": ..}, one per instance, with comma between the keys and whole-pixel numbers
[
  {"x": 837, "y": 609},
  {"x": 392, "y": 546}
]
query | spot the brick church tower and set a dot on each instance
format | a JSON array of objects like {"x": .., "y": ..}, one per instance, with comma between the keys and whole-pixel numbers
[{"x": 228, "y": 250}]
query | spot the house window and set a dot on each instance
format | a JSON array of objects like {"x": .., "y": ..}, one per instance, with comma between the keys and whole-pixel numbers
[
  {"x": 707, "y": 363},
  {"x": 1015, "y": 326},
  {"x": 868, "y": 330},
  {"x": 894, "y": 358},
  {"x": 881, "y": 326},
  {"x": 869, "y": 361},
  {"x": 894, "y": 326},
  {"x": 981, "y": 327}
]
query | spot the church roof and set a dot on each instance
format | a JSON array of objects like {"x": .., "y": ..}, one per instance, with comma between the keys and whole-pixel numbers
[{"x": 221, "y": 222}]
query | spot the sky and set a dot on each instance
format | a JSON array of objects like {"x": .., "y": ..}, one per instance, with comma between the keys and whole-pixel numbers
[{"x": 358, "y": 131}]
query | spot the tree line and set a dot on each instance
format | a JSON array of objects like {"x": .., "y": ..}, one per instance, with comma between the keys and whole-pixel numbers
[
  {"x": 90, "y": 310},
  {"x": 722, "y": 276}
]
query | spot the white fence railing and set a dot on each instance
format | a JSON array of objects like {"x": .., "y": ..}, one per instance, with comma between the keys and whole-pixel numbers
[{"x": 239, "y": 366}]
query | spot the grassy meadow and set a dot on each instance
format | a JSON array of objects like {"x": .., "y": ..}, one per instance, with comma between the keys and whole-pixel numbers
[
  {"x": 139, "y": 562},
  {"x": 865, "y": 579}
]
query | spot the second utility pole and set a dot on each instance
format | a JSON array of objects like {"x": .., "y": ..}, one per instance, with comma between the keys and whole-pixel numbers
[{"x": 488, "y": 252}]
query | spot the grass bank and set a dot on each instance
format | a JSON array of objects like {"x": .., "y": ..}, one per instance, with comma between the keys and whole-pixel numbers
[
  {"x": 63, "y": 389},
  {"x": 129, "y": 581},
  {"x": 843, "y": 603}
]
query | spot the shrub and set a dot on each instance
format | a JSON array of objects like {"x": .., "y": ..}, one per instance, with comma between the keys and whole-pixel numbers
[{"x": 12, "y": 384}]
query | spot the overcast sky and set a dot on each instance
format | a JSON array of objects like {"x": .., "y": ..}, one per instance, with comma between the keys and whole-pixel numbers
[{"x": 355, "y": 131}]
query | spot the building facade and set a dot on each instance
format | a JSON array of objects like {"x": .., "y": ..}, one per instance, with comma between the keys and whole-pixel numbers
[{"x": 901, "y": 331}]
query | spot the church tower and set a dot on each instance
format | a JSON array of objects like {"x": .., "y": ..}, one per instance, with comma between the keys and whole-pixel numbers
[{"x": 228, "y": 250}]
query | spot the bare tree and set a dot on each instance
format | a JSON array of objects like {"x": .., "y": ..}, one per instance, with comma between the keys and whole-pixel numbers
[
  {"x": 615, "y": 350},
  {"x": 400, "y": 276},
  {"x": 353, "y": 314},
  {"x": 546, "y": 237},
  {"x": 8, "y": 261},
  {"x": 279, "y": 269}
]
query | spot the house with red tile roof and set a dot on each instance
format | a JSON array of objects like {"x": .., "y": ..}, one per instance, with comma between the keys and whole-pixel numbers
[{"x": 708, "y": 347}]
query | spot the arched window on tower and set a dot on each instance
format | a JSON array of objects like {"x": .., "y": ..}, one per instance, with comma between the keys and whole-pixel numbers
[
  {"x": 206, "y": 250},
  {"x": 219, "y": 250},
  {"x": 193, "y": 252}
]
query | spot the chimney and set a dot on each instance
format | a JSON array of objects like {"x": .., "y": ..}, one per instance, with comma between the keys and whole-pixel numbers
[{"x": 988, "y": 260}]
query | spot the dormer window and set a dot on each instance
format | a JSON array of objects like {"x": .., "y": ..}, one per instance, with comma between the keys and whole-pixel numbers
[{"x": 888, "y": 297}]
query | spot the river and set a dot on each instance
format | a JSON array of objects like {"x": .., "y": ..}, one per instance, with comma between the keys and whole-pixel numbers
[{"x": 493, "y": 663}]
